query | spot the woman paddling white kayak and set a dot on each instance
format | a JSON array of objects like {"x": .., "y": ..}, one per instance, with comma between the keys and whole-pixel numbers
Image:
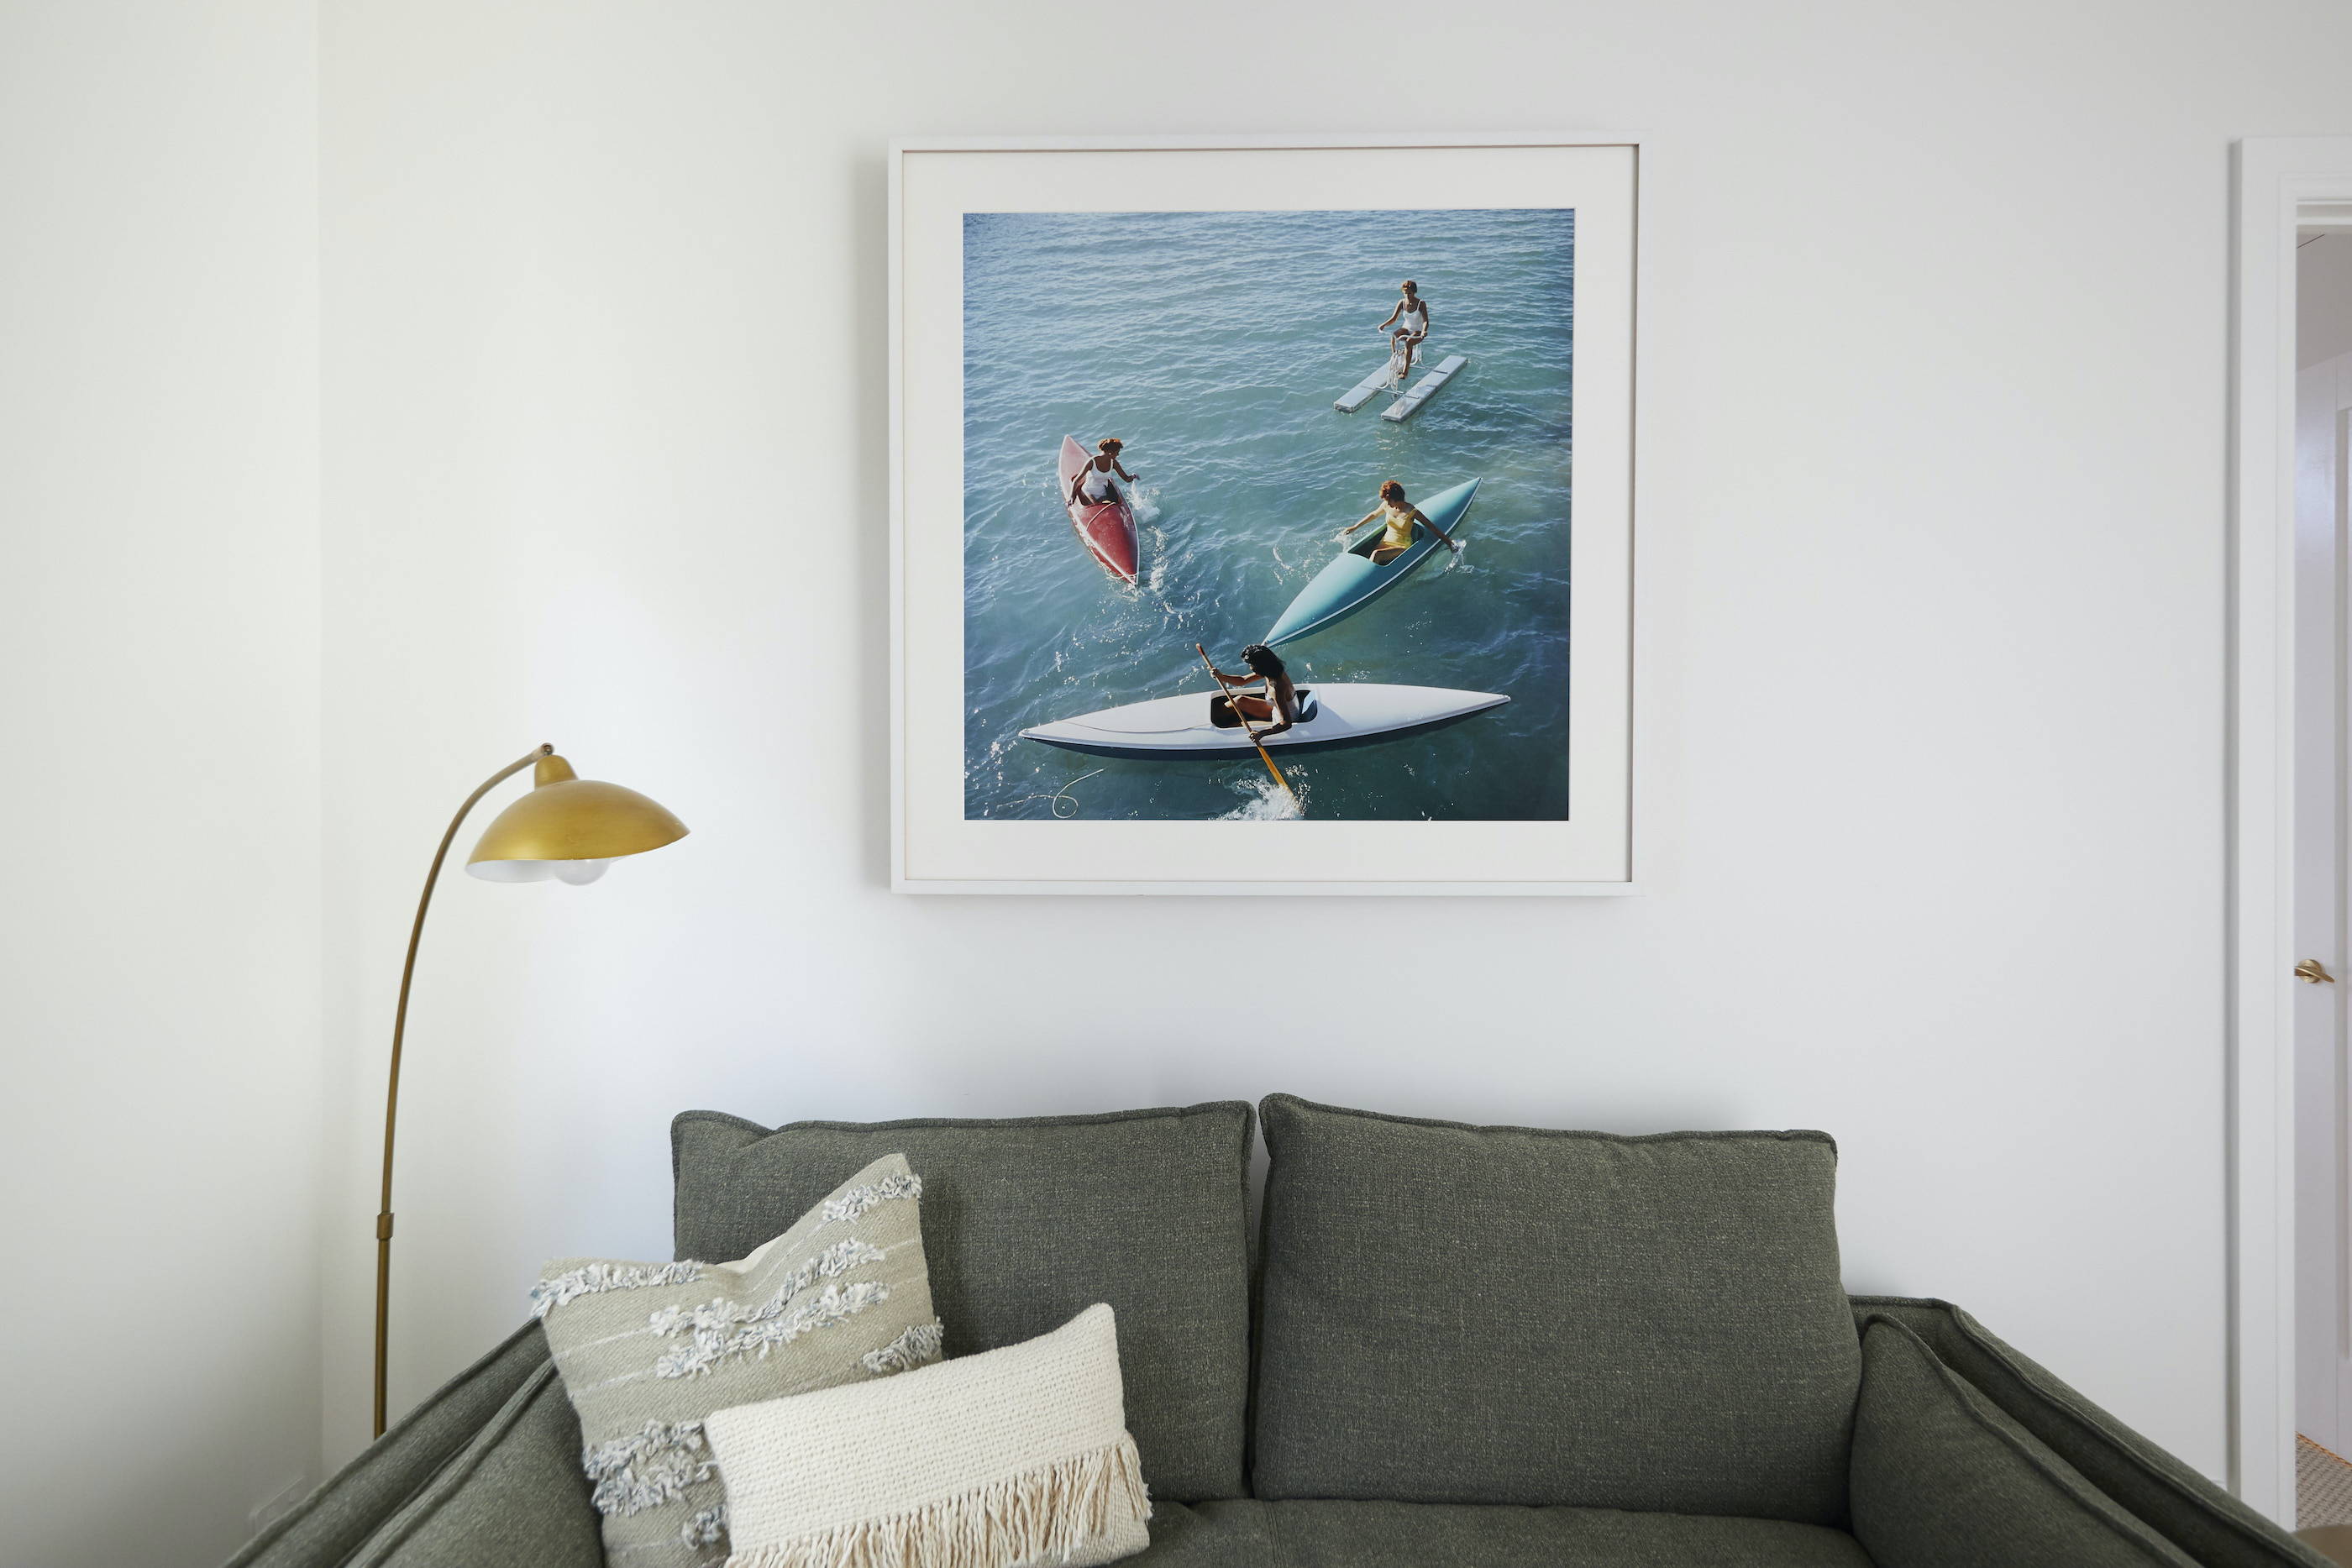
[
  {"x": 1276, "y": 700},
  {"x": 1334, "y": 713}
]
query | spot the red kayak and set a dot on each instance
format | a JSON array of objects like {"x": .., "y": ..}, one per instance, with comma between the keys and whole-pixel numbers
[{"x": 1107, "y": 530}]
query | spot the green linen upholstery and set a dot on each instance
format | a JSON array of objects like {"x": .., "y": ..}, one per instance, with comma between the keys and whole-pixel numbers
[
  {"x": 516, "y": 1499},
  {"x": 484, "y": 1474},
  {"x": 1452, "y": 1314},
  {"x": 1256, "y": 1534},
  {"x": 1943, "y": 1477},
  {"x": 1026, "y": 1223},
  {"x": 2212, "y": 1528}
]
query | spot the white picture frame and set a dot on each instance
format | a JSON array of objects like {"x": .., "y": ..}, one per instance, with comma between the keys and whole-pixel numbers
[{"x": 935, "y": 847}]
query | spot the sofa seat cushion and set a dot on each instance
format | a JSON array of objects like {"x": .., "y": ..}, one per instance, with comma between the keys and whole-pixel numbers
[
  {"x": 1323, "y": 1534},
  {"x": 1502, "y": 1315},
  {"x": 1028, "y": 1222}
]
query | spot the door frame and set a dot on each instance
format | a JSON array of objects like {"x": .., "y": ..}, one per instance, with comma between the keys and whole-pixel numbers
[{"x": 2276, "y": 178}]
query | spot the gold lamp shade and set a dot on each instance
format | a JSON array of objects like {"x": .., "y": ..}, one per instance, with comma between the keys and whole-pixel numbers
[{"x": 569, "y": 828}]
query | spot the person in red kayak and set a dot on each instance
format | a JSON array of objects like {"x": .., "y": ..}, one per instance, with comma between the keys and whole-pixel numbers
[
  {"x": 1091, "y": 486},
  {"x": 1277, "y": 699},
  {"x": 1407, "y": 325},
  {"x": 1400, "y": 516}
]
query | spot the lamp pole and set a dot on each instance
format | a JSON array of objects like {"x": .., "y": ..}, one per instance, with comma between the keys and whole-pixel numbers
[
  {"x": 391, "y": 1091},
  {"x": 568, "y": 828}
]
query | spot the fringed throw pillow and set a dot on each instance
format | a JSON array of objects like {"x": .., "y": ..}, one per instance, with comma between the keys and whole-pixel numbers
[
  {"x": 1013, "y": 1457},
  {"x": 647, "y": 1350}
]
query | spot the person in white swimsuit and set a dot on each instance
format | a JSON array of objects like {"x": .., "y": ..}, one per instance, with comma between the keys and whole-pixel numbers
[
  {"x": 1408, "y": 325},
  {"x": 1092, "y": 484}
]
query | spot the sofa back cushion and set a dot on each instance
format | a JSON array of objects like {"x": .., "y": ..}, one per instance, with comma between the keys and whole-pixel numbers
[
  {"x": 1026, "y": 1223},
  {"x": 1502, "y": 1315}
]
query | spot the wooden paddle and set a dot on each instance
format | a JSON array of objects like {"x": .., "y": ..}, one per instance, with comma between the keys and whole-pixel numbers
[{"x": 1243, "y": 719}]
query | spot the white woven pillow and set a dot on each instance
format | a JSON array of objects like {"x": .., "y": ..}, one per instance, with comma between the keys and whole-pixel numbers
[{"x": 1017, "y": 1456}]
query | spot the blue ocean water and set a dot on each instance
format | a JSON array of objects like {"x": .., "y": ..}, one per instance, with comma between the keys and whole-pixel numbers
[{"x": 1213, "y": 344}]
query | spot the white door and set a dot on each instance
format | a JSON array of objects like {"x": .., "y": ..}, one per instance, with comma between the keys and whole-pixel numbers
[{"x": 2323, "y": 835}]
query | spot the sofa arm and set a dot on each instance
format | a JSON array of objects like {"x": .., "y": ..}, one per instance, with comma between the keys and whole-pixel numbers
[
  {"x": 2209, "y": 1526},
  {"x": 484, "y": 1474}
]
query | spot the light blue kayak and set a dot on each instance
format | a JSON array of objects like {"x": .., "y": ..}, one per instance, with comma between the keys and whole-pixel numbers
[{"x": 1352, "y": 581}]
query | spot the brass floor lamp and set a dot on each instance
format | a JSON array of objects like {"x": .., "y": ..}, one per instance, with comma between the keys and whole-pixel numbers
[{"x": 568, "y": 828}]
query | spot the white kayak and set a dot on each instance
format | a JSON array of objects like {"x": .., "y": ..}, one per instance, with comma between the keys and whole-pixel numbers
[{"x": 1337, "y": 713}]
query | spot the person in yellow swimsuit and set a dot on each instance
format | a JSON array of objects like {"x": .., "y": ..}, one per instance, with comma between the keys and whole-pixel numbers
[{"x": 1400, "y": 516}]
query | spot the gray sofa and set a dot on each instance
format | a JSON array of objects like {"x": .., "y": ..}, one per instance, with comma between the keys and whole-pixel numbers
[{"x": 1443, "y": 1345}]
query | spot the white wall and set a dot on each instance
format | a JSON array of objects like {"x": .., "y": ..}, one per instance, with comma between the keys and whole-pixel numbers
[
  {"x": 159, "y": 743},
  {"x": 1932, "y": 510}
]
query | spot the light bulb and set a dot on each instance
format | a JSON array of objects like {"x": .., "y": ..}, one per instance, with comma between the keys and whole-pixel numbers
[{"x": 512, "y": 870}]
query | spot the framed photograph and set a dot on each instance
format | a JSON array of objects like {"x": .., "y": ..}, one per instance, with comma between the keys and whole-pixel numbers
[{"x": 1262, "y": 515}]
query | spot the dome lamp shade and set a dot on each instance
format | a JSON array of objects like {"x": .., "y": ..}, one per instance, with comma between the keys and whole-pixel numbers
[{"x": 570, "y": 829}]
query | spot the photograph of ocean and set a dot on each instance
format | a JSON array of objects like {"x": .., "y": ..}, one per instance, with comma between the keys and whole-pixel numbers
[{"x": 1214, "y": 345}]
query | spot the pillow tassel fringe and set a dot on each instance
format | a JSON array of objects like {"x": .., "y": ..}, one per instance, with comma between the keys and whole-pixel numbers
[{"x": 1043, "y": 1515}]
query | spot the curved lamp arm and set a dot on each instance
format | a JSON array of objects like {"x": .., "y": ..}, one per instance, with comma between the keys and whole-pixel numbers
[{"x": 392, "y": 1094}]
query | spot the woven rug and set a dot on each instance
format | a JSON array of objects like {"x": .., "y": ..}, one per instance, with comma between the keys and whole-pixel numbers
[{"x": 2323, "y": 1486}]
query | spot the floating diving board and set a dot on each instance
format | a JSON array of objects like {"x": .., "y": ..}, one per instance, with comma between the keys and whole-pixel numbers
[
  {"x": 1359, "y": 394},
  {"x": 1428, "y": 387}
]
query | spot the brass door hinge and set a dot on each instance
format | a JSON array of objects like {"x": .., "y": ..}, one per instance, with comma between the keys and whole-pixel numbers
[{"x": 2312, "y": 972}]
